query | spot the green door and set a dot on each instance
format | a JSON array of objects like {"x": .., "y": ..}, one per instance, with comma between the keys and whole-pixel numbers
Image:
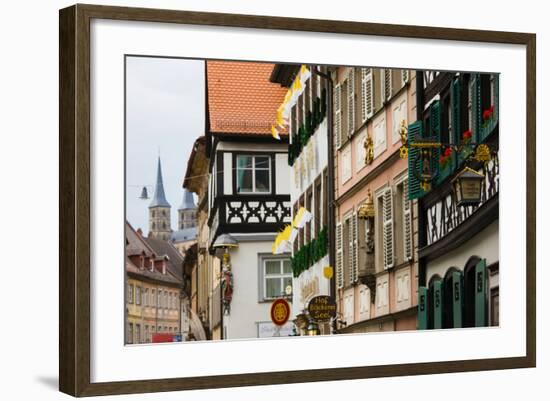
[
  {"x": 422, "y": 308},
  {"x": 438, "y": 304},
  {"x": 481, "y": 294},
  {"x": 457, "y": 299}
]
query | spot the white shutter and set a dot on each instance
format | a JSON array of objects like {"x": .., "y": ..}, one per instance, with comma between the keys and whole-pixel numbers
[
  {"x": 387, "y": 214},
  {"x": 407, "y": 222},
  {"x": 339, "y": 257},
  {"x": 351, "y": 101},
  {"x": 404, "y": 77},
  {"x": 337, "y": 115},
  {"x": 367, "y": 95},
  {"x": 387, "y": 83},
  {"x": 354, "y": 271}
]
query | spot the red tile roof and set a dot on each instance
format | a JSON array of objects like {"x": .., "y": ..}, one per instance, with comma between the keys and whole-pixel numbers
[{"x": 241, "y": 99}]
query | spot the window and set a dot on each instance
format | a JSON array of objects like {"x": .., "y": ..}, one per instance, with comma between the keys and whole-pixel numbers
[
  {"x": 138, "y": 295},
  {"x": 130, "y": 334},
  {"x": 253, "y": 174},
  {"x": 146, "y": 297},
  {"x": 130, "y": 294},
  {"x": 317, "y": 213},
  {"x": 403, "y": 219},
  {"x": 153, "y": 298},
  {"x": 309, "y": 203},
  {"x": 138, "y": 333},
  {"x": 277, "y": 275}
]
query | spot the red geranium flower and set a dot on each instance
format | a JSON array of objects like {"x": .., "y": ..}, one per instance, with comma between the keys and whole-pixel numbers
[
  {"x": 447, "y": 152},
  {"x": 467, "y": 134}
]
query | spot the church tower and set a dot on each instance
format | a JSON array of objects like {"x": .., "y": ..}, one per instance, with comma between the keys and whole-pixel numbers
[
  {"x": 159, "y": 211},
  {"x": 187, "y": 212}
]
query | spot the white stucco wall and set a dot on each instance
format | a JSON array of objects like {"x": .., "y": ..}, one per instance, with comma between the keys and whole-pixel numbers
[
  {"x": 246, "y": 310},
  {"x": 308, "y": 280},
  {"x": 485, "y": 245},
  {"x": 319, "y": 143}
]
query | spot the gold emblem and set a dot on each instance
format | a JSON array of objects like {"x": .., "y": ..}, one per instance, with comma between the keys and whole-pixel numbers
[
  {"x": 366, "y": 210},
  {"x": 483, "y": 153},
  {"x": 369, "y": 150},
  {"x": 403, "y": 152}
]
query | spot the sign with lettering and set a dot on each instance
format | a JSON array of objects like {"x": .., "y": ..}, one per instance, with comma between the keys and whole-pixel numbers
[{"x": 322, "y": 307}]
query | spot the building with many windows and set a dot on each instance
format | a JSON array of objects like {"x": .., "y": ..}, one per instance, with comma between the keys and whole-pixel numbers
[
  {"x": 458, "y": 240},
  {"x": 309, "y": 177},
  {"x": 248, "y": 193},
  {"x": 376, "y": 269},
  {"x": 201, "y": 271},
  {"x": 153, "y": 288}
]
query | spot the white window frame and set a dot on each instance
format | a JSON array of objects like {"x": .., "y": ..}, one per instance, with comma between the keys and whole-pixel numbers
[
  {"x": 264, "y": 276},
  {"x": 253, "y": 168}
]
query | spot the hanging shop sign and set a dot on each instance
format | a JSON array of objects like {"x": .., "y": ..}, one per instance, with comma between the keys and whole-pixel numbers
[
  {"x": 280, "y": 311},
  {"x": 322, "y": 307}
]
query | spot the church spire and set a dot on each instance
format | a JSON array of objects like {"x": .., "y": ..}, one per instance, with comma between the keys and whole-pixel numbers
[
  {"x": 159, "y": 199},
  {"x": 187, "y": 201}
]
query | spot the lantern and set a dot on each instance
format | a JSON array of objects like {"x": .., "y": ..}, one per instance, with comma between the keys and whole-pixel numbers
[
  {"x": 467, "y": 186},
  {"x": 312, "y": 329}
]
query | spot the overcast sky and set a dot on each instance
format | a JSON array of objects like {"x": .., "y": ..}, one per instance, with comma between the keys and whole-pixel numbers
[{"x": 165, "y": 113}]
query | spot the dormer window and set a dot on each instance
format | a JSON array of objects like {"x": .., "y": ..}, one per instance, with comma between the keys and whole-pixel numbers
[{"x": 253, "y": 174}]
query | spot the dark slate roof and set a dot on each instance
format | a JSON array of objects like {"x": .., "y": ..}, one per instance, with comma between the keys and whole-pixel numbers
[
  {"x": 175, "y": 259},
  {"x": 187, "y": 234},
  {"x": 188, "y": 202},
  {"x": 159, "y": 199}
]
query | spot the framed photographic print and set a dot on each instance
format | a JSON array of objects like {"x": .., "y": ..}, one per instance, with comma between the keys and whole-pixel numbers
[{"x": 342, "y": 200}]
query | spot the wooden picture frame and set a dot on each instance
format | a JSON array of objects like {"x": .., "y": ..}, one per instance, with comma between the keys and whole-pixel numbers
[{"x": 75, "y": 208}]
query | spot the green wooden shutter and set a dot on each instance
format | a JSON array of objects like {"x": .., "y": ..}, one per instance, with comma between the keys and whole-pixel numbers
[
  {"x": 457, "y": 298},
  {"x": 422, "y": 308},
  {"x": 438, "y": 304},
  {"x": 476, "y": 106},
  {"x": 456, "y": 125},
  {"x": 435, "y": 134},
  {"x": 415, "y": 162},
  {"x": 481, "y": 294},
  {"x": 456, "y": 122}
]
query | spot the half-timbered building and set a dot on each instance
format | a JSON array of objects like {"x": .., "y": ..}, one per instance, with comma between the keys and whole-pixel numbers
[
  {"x": 248, "y": 193},
  {"x": 458, "y": 244}
]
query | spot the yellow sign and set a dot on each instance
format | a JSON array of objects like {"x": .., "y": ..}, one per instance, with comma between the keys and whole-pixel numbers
[{"x": 328, "y": 272}]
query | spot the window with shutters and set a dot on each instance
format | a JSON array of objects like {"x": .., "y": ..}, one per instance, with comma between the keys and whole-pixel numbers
[
  {"x": 337, "y": 115},
  {"x": 367, "y": 95},
  {"x": 309, "y": 203},
  {"x": 354, "y": 248},
  {"x": 351, "y": 102},
  {"x": 404, "y": 77},
  {"x": 387, "y": 83},
  {"x": 130, "y": 334},
  {"x": 387, "y": 228},
  {"x": 403, "y": 222},
  {"x": 347, "y": 237},
  {"x": 339, "y": 256},
  {"x": 130, "y": 295},
  {"x": 317, "y": 200}
]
